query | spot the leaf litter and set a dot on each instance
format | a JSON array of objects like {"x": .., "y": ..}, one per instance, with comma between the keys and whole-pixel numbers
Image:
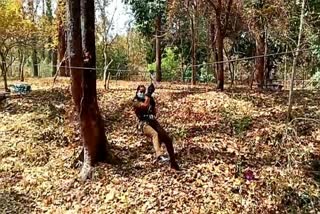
[{"x": 236, "y": 153}]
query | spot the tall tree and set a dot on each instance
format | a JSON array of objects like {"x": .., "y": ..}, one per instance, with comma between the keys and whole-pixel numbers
[
  {"x": 82, "y": 40},
  {"x": 295, "y": 58},
  {"x": 62, "y": 44},
  {"x": 150, "y": 16},
  {"x": 222, "y": 12},
  {"x": 16, "y": 31},
  {"x": 259, "y": 15}
]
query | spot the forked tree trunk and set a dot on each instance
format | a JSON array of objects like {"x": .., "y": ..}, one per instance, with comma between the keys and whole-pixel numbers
[
  {"x": 158, "y": 49},
  {"x": 92, "y": 127}
]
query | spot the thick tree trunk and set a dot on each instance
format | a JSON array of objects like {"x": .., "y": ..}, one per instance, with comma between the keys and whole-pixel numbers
[
  {"x": 75, "y": 48},
  {"x": 219, "y": 46},
  {"x": 35, "y": 63},
  {"x": 92, "y": 127},
  {"x": 259, "y": 64},
  {"x": 158, "y": 49}
]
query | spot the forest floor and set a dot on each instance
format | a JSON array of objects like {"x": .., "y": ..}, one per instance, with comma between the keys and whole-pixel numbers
[{"x": 236, "y": 153}]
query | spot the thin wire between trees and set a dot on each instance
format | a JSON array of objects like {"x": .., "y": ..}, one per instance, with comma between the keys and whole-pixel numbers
[{"x": 197, "y": 65}]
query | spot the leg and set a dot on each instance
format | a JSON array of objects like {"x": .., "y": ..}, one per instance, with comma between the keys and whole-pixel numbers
[
  {"x": 150, "y": 132},
  {"x": 167, "y": 140}
]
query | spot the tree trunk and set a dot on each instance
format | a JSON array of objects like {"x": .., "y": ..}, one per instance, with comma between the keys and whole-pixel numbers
[
  {"x": 21, "y": 65},
  {"x": 92, "y": 127},
  {"x": 285, "y": 69},
  {"x": 75, "y": 48},
  {"x": 4, "y": 72},
  {"x": 35, "y": 63},
  {"x": 219, "y": 46},
  {"x": 194, "y": 48},
  {"x": 214, "y": 52},
  {"x": 54, "y": 61},
  {"x": 295, "y": 58},
  {"x": 62, "y": 48},
  {"x": 259, "y": 64},
  {"x": 105, "y": 77},
  {"x": 266, "y": 60},
  {"x": 158, "y": 49}
]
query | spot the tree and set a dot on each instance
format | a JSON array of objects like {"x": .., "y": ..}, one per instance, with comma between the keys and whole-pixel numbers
[
  {"x": 222, "y": 12},
  {"x": 295, "y": 57},
  {"x": 106, "y": 25},
  {"x": 62, "y": 43},
  {"x": 259, "y": 16},
  {"x": 82, "y": 40},
  {"x": 150, "y": 16},
  {"x": 15, "y": 31}
]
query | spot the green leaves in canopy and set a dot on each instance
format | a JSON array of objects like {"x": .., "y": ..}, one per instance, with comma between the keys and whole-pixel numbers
[{"x": 145, "y": 12}]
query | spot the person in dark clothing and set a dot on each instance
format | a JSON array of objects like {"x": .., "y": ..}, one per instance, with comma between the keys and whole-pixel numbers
[{"x": 144, "y": 108}]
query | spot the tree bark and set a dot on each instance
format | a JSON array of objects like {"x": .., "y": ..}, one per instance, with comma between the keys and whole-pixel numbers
[
  {"x": 21, "y": 65},
  {"x": 75, "y": 48},
  {"x": 35, "y": 63},
  {"x": 285, "y": 70},
  {"x": 194, "y": 48},
  {"x": 214, "y": 52},
  {"x": 62, "y": 46},
  {"x": 219, "y": 47},
  {"x": 92, "y": 127},
  {"x": 158, "y": 49},
  {"x": 54, "y": 61},
  {"x": 259, "y": 63},
  {"x": 4, "y": 73},
  {"x": 105, "y": 77}
]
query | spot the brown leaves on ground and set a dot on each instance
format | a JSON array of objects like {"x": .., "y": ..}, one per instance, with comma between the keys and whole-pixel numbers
[{"x": 236, "y": 153}]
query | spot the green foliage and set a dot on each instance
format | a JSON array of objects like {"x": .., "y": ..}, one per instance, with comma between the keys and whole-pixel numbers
[
  {"x": 145, "y": 12},
  {"x": 169, "y": 64},
  {"x": 316, "y": 79},
  {"x": 205, "y": 75}
]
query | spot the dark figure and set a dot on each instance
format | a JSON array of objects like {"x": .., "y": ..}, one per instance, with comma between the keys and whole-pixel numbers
[{"x": 144, "y": 107}]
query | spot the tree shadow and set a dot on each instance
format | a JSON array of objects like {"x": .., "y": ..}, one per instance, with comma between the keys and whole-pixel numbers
[{"x": 13, "y": 202}]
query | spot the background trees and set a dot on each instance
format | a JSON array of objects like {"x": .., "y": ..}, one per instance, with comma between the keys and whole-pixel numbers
[{"x": 192, "y": 41}]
